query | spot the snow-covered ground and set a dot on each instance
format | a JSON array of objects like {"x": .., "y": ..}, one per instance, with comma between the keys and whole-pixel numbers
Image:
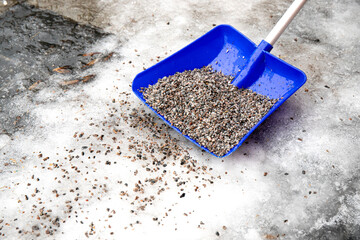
[{"x": 84, "y": 166}]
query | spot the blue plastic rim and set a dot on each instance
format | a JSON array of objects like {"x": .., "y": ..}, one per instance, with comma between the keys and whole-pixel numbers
[{"x": 229, "y": 51}]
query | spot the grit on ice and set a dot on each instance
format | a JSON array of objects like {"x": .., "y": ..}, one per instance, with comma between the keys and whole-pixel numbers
[{"x": 82, "y": 157}]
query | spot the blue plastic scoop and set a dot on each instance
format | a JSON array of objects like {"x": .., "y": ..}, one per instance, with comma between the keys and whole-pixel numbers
[{"x": 229, "y": 51}]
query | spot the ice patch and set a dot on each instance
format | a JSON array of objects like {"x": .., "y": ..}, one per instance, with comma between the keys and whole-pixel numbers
[{"x": 4, "y": 140}]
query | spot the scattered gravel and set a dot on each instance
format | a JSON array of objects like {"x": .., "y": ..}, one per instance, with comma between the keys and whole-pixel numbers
[
  {"x": 127, "y": 161},
  {"x": 204, "y": 105}
]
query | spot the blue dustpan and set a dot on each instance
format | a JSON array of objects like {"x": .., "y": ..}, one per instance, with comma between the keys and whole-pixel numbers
[{"x": 229, "y": 51}]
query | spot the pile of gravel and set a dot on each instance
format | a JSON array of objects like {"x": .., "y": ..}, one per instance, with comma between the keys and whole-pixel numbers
[{"x": 204, "y": 105}]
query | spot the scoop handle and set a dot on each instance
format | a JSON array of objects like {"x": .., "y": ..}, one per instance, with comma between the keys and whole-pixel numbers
[{"x": 284, "y": 21}]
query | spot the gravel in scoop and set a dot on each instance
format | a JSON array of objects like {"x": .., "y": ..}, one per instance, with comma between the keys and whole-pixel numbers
[{"x": 204, "y": 105}]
